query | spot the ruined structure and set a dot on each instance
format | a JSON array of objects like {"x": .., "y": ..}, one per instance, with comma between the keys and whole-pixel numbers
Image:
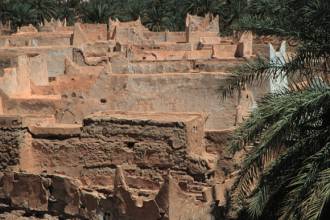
[{"x": 117, "y": 122}]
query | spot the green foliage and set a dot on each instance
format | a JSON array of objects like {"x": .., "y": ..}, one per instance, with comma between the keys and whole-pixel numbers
[
  {"x": 201, "y": 7},
  {"x": 69, "y": 10},
  {"x": 45, "y": 9},
  {"x": 3, "y": 10},
  {"x": 286, "y": 172},
  {"x": 21, "y": 13},
  {"x": 130, "y": 10},
  {"x": 157, "y": 15},
  {"x": 96, "y": 11}
]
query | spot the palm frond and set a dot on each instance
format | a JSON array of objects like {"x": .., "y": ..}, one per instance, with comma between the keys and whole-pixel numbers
[{"x": 276, "y": 124}]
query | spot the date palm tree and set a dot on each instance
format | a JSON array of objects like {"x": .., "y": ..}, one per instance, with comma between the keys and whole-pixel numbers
[
  {"x": 128, "y": 10},
  {"x": 286, "y": 171},
  {"x": 68, "y": 9},
  {"x": 96, "y": 11},
  {"x": 3, "y": 10},
  {"x": 201, "y": 7},
  {"x": 45, "y": 9},
  {"x": 21, "y": 13},
  {"x": 159, "y": 16}
]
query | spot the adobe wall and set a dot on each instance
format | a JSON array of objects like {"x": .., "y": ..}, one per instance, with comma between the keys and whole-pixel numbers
[
  {"x": 123, "y": 66},
  {"x": 163, "y": 46},
  {"x": 194, "y": 37},
  {"x": 185, "y": 92},
  {"x": 54, "y": 197},
  {"x": 120, "y": 165},
  {"x": 156, "y": 36},
  {"x": 38, "y": 70},
  {"x": 37, "y": 39},
  {"x": 167, "y": 36},
  {"x": 149, "y": 141},
  {"x": 55, "y": 56},
  {"x": 139, "y": 159},
  {"x": 9, "y": 147},
  {"x": 223, "y": 65},
  {"x": 31, "y": 105},
  {"x": 178, "y": 37},
  {"x": 95, "y": 32},
  {"x": 224, "y": 51},
  {"x": 15, "y": 81},
  {"x": 55, "y": 60},
  {"x": 11, "y": 140},
  {"x": 168, "y": 55}
]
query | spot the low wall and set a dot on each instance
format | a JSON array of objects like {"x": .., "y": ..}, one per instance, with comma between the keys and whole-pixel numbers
[
  {"x": 174, "y": 37},
  {"x": 175, "y": 55},
  {"x": 156, "y": 36},
  {"x": 164, "y": 46},
  {"x": 37, "y": 39}
]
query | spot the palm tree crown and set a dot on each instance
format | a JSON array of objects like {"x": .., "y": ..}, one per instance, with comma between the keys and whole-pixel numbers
[{"x": 286, "y": 174}]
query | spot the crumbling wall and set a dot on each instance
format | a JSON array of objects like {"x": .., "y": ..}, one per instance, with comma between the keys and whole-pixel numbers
[
  {"x": 120, "y": 165},
  {"x": 150, "y": 141},
  {"x": 11, "y": 141},
  {"x": 53, "y": 197},
  {"x": 127, "y": 166},
  {"x": 9, "y": 147}
]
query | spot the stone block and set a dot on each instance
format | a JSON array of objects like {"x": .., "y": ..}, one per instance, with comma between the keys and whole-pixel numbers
[{"x": 56, "y": 130}]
